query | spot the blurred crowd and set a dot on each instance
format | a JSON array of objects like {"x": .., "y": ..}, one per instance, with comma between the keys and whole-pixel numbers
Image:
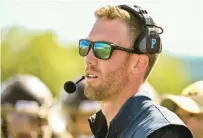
[{"x": 28, "y": 109}]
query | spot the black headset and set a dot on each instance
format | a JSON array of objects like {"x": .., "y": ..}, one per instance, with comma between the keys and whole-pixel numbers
[{"x": 149, "y": 41}]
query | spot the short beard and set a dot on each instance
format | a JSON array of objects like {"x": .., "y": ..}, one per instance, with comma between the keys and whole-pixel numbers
[{"x": 110, "y": 86}]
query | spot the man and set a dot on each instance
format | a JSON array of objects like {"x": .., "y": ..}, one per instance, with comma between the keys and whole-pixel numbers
[
  {"x": 25, "y": 102},
  {"x": 78, "y": 108},
  {"x": 189, "y": 107},
  {"x": 120, "y": 52}
]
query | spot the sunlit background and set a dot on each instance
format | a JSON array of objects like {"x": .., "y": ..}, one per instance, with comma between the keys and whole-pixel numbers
[{"x": 40, "y": 37}]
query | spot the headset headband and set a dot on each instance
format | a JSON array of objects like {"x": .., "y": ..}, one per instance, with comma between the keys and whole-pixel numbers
[{"x": 141, "y": 14}]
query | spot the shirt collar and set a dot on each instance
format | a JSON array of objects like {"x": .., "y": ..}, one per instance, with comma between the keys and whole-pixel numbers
[{"x": 130, "y": 110}]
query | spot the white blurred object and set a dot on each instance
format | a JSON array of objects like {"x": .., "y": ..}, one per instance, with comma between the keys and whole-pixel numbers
[
  {"x": 148, "y": 90},
  {"x": 87, "y": 106},
  {"x": 28, "y": 106},
  {"x": 57, "y": 120}
]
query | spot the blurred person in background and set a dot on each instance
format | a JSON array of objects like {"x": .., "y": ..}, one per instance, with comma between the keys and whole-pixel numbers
[
  {"x": 148, "y": 90},
  {"x": 78, "y": 108},
  {"x": 188, "y": 106},
  {"x": 25, "y": 102}
]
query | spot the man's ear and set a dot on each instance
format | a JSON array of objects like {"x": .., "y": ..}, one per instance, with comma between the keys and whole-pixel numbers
[{"x": 140, "y": 63}]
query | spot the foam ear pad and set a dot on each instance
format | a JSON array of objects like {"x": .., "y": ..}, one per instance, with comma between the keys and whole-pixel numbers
[{"x": 140, "y": 44}]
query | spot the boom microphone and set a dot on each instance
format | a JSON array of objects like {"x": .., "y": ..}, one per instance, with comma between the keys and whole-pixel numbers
[{"x": 70, "y": 86}]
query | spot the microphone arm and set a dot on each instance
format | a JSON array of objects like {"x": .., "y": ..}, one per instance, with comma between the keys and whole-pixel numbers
[{"x": 82, "y": 78}]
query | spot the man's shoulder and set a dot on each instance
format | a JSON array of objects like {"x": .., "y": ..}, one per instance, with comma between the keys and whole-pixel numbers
[
  {"x": 152, "y": 118},
  {"x": 171, "y": 131},
  {"x": 154, "y": 112},
  {"x": 144, "y": 107}
]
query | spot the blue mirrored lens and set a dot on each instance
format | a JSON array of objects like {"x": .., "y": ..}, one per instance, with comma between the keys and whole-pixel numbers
[
  {"x": 84, "y": 47},
  {"x": 102, "y": 50}
]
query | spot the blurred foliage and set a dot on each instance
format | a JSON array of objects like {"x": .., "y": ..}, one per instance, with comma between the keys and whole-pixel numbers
[
  {"x": 170, "y": 75},
  {"x": 42, "y": 56},
  {"x": 39, "y": 54}
]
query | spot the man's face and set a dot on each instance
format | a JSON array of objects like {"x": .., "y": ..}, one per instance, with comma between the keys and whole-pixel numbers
[
  {"x": 113, "y": 74},
  {"x": 193, "y": 121},
  {"x": 22, "y": 125}
]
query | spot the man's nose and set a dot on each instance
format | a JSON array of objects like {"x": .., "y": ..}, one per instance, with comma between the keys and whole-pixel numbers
[{"x": 90, "y": 58}]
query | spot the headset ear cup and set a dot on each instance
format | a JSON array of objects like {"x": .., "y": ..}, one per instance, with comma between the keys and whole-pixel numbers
[
  {"x": 154, "y": 43},
  {"x": 140, "y": 43},
  {"x": 148, "y": 43}
]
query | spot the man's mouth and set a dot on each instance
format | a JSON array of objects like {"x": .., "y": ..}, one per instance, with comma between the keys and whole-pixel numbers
[{"x": 91, "y": 77}]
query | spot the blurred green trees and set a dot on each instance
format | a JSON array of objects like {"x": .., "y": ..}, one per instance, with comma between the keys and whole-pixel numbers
[
  {"x": 170, "y": 75},
  {"x": 40, "y": 54}
]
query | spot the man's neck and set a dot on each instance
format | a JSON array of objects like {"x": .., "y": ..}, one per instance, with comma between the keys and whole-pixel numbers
[{"x": 112, "y": 106}]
